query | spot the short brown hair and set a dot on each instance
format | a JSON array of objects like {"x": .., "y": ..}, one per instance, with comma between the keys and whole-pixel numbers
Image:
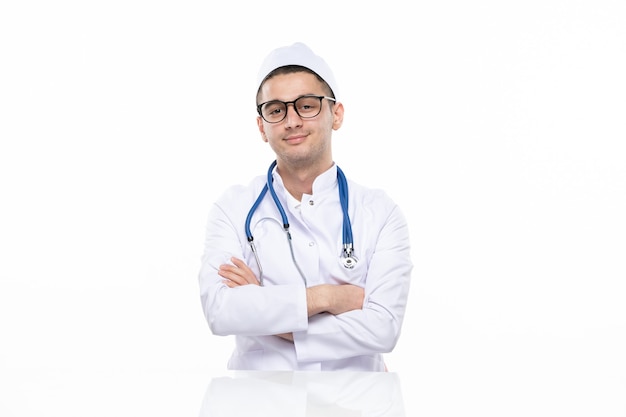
[{"x": 290, "y": 69}]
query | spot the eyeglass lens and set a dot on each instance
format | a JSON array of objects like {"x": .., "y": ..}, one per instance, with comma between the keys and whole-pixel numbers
[{"x": 305, "y": 106}]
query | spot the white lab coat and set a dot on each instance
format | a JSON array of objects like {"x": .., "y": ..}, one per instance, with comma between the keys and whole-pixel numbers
[{"x": 353, "y": 340}]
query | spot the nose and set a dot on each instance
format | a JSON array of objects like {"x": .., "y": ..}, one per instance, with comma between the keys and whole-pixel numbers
[{"x": 292, "y": 118}]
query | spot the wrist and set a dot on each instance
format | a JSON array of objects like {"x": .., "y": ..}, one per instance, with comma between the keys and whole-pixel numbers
[{"x": 317, "y": 299}]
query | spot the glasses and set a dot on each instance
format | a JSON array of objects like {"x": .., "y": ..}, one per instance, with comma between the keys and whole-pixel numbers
[{"x": 305, "y": 106}]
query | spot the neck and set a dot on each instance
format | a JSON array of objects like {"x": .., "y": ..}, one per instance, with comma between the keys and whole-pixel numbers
[{"x": 299, "y": 180}]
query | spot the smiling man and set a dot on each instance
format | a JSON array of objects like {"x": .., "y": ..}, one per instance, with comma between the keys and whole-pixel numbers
[{"x": 307, "y": 269}]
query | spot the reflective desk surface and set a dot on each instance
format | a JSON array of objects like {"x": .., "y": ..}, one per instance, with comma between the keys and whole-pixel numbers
[{"x": 206, "y": 392}]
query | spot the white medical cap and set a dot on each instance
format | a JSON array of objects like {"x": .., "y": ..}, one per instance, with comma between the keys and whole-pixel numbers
[{"x": 297, "y": 54}]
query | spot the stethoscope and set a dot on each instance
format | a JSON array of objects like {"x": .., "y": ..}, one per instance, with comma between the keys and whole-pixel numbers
[{"x": 348, "y": 260}]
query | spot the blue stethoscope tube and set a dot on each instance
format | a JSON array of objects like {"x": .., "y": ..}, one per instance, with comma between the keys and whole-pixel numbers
[{"x": 348, "y": 243}]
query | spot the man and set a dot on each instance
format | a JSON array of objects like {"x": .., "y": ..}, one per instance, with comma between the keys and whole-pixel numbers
[{"x": 308, "y": 270}]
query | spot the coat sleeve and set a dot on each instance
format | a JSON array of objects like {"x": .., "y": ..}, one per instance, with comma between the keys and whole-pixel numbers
[
  {"x": 376, "y": 327},
  {"x": 248, "y": 310}
]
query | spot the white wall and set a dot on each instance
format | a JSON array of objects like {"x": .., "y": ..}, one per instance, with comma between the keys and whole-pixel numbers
[{"x": 498, "y": 127}]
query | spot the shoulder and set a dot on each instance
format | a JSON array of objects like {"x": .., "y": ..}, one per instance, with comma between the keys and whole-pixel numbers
[
  {"x": 239, "y": 192},
  {"x": 373, "y": 206},
  {"x": 238, "y": 198},
  {"x": 365, "y": 196}
]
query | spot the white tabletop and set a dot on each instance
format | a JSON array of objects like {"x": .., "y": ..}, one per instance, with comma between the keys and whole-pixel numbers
[{"x": 508, "y": 391}]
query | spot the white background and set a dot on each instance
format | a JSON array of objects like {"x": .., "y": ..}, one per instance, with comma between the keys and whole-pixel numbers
[{"x": 499, "y": 128}]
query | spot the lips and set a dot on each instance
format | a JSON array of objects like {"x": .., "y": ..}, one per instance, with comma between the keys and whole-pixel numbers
[{"x": 294, "y": 139}]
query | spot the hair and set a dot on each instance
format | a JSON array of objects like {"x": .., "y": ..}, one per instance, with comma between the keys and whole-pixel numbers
[{"x": 290, "y": 69}]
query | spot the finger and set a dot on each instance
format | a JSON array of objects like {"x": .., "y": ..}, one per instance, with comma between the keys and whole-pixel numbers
[
  {"x": 245, "y": 271},
  {"x": 241, "y": 264},
  {"x": 229, "y": 283},
  {"x": 240, "y": 274},
  {"x": 233, "y": 274}
]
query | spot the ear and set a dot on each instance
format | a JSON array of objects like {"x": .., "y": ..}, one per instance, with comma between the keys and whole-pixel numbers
[
  {"x": 259, "y": 123},
  {"x": 337, "y": 116}
]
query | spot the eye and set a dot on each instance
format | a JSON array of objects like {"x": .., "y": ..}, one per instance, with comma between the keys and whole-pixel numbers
[
  {"x": 308, "y": 105},
  {"x": 273, "y": 108}
]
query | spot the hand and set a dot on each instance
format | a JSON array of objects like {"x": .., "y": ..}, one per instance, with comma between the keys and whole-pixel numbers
[
  {"x": 346, "y": 297},
  {"x": 237, "y": 274},
  {"x": 287, "y": 336},
  {"x": 334, "y": 299}
]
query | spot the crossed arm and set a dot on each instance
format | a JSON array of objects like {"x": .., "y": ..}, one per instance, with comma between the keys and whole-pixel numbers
[{"x": 333, "y": 299}]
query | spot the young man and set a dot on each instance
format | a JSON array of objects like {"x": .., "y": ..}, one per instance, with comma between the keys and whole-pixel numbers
[{"x": 308, "y": 270}]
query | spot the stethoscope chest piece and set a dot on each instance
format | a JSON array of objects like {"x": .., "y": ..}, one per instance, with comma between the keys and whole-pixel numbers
[
  {"x": 348, "y": 262},
  {"x": 347, "y": 259}
]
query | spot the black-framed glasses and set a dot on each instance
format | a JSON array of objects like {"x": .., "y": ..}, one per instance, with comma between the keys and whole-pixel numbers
[{"x": 306, "y": 107}]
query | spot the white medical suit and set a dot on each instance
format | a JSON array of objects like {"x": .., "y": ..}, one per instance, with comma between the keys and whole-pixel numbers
[{"x": 354, "y": 340}]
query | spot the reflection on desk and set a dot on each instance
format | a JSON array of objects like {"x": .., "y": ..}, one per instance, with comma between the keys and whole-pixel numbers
[{"x": 310, "y": 394}]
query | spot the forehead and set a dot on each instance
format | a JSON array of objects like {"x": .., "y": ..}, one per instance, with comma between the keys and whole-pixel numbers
[{"x": 290, "y": 86}]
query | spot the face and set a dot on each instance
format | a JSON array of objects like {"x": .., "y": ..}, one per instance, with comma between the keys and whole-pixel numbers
[{"x": 296, "y": 141}]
